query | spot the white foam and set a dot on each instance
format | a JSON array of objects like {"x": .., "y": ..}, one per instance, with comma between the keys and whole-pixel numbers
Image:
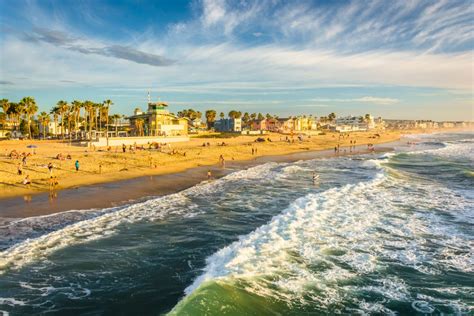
[
  {"x": 94, "y": 224},
  {"x": 355, "y": 225}
]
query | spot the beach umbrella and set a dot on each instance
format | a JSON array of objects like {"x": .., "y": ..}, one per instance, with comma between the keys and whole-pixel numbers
[{"x": 32, "y": 148}]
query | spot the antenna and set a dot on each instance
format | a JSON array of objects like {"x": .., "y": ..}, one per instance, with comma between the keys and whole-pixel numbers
[{"x": 149, "y": 97}]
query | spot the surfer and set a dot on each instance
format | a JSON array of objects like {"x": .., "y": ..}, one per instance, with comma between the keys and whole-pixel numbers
[{"x": 315, "y": 177}]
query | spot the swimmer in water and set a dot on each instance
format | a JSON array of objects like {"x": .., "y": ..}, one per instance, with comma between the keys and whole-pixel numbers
[{"x": 315, "y": 177}]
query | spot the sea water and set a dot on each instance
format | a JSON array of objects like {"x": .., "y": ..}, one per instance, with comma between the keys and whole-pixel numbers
[{"x": 388, "y": 233}]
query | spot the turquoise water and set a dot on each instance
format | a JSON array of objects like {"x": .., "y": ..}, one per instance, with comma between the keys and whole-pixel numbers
[{"x": 379, "y": 234}]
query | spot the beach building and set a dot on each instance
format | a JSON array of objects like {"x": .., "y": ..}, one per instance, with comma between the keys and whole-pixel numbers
[
  {"x": 305, "y": 123},
  {"x": 228, "y": 125},
  {"x": 157, "y": 121},
  {"x": 353, "y": 123},
  {"x": 52, "y": 128}
]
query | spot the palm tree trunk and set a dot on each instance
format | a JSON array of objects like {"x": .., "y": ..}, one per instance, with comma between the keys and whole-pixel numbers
[
  {"x": 29, "y": 125},
  {"x": 107, "y": 128}
]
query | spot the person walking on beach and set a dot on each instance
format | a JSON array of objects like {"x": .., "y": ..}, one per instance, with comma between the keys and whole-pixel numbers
[
  {"x": 76, "y": 164},
  {"x": 24, "y": 161},
  {"x": 124, "y": 148},
  {"x": 50, "y": 168},
  {"x": 209, "y": 175},
  {"x": 19, "y": 169},
  {"x": 222, "y": 161}
]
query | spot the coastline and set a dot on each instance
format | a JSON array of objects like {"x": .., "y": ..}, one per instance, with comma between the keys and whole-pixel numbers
[
  {"x": 119, "y": 191},
  {"x": 122, "y": 192},
  {"x": 101, "y": 166}
]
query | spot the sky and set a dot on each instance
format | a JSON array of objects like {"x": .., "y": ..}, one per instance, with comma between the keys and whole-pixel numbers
[{"x": 399, "y": 59}]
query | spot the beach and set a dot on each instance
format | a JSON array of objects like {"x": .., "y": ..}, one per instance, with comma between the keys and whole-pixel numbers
[{"x": 100, "y": 165}]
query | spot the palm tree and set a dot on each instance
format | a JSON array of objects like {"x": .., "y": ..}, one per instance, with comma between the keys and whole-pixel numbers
[
  {"x": 44, "y": 120},
  {"x": 5, "y": 104},
  {"x": 116, "y": 117},
  {"x": 63, "y": 108},
  {"x": 210, "y": 117},
  {"x": 107, "y": 104},
  {"x": 55, "y": 112},
  {"x": 29, "y": 109},
  {"x": 76, "y": 109},
  {"x": 89, "y": 107}
]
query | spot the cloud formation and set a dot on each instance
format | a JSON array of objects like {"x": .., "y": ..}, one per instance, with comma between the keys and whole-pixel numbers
[{"x": 66, "y": 41}]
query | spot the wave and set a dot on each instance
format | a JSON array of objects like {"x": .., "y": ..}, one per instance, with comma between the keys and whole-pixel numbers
[
  {"x": 35, "y": 238},
  {"x": 305, "y": 255}
]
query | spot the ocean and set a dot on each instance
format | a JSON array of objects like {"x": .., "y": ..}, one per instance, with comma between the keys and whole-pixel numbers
[{"x": 383, "y": 233}]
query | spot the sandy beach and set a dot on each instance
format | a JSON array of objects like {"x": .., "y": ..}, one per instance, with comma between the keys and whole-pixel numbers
[{"x": 106, "y": 166}]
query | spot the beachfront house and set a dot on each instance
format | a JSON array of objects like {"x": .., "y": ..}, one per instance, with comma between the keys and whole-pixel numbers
[
  {"x": 353, "y": 123},
  {"x": 228, "y": 125},
  {"x": 157, "y": 121}
]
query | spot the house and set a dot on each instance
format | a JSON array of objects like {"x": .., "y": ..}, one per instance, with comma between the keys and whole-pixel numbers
[
  {"x": 353, "y": 123},
  {"x": 228, "y": 125},
  {"x": 157, "y": 121}
]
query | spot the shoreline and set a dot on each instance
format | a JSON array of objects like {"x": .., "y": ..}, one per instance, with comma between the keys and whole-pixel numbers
[
  {"x": 126, "y": 191},
  {"x": 101, "y": 166},
  {"x": 125, "y": 187}
]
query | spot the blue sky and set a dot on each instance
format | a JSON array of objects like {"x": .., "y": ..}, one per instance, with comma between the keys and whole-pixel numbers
[{"x": 397, "y": 59}]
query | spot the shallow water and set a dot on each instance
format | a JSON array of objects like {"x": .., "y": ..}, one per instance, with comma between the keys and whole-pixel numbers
[{"x": 391, "y": 233}]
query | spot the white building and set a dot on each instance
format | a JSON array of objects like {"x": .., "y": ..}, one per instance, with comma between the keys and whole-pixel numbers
[{"x": 354, "y": 123}]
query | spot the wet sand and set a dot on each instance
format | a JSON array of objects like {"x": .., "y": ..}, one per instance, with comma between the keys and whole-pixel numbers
[{"x": 122, "y": 192}]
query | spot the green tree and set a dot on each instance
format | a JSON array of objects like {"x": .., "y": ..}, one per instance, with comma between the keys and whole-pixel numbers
[
  {"x": 107, "y": 104},
  {"x": 331, "y": 117},
  {"x": 55, "y": 112},
  {"x": 63, "y": 108},
  {"x": 29, "y": 109},
  {"x": 246, "y": 118},
  {"x": 89, "y": 109},
  {"x": 5, "y": 104},
  {"x": 76, "y": 110},
  {"x": 260, "y": 116},
  {"x": 44, "y": 120},
  {"x": 210, "y": 118}
]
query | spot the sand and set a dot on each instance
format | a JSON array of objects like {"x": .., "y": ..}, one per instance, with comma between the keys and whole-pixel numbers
[{"x": 105, "y": 166}]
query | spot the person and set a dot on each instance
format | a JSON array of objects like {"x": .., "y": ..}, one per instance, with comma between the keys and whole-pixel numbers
[
  {"x": 222, "y": 161},
  {"x": 124, "y": 148},
  {"x": 51, "y": 183},
  {"x": 24, "y": 161},
  {"x": 209, "y": 174},
  {"x": 335, "y": 149},
  {"x": 315, "y": 177},
  {"x": 27, "y": 181},
  {"x": 50, "y": 168},
  {"x": 253, "y": 151},
  {"x": 76, "y": 164},
  {"x": 19, "y": 169}
]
